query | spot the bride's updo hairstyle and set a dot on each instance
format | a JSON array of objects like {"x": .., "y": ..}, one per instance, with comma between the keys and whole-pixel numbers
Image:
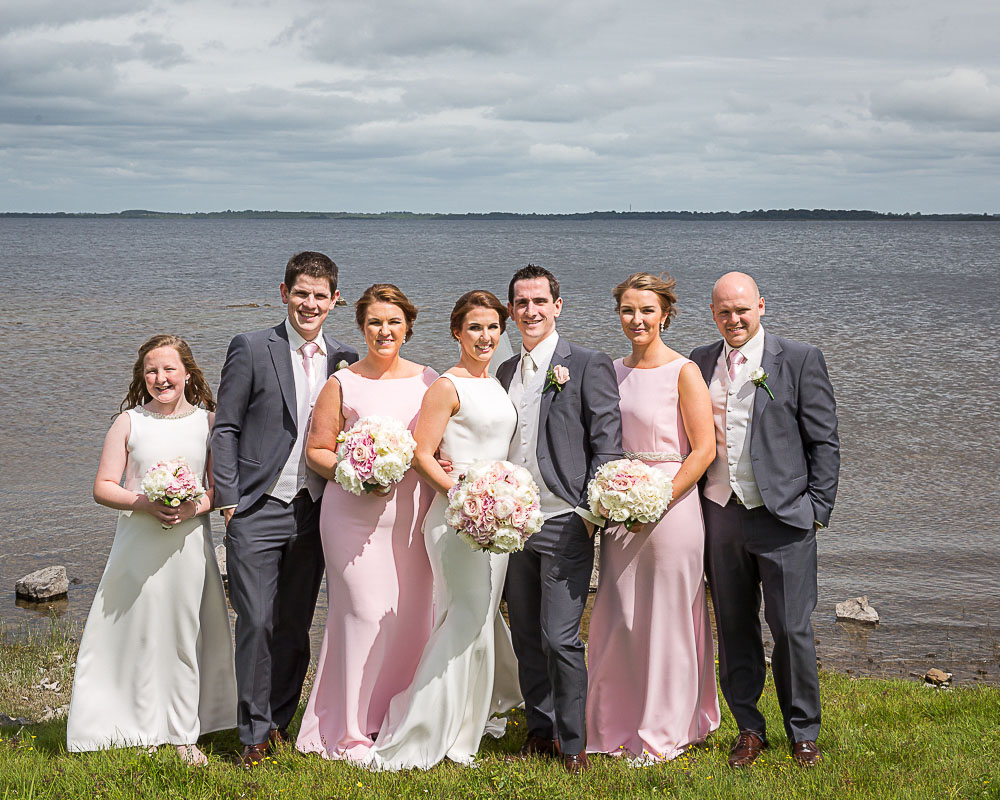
[
  {"x": 662, "y": 287},
  {"x": 196, "y": 390},
  {"x": 385, "y": 293},
  {"x": 477, "y": 298}
]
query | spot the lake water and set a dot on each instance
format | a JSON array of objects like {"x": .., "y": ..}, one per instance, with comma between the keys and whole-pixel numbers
[{"x": 905, "y": 312}]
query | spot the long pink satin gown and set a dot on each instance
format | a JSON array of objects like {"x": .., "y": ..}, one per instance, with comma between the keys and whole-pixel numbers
[
  {"x": 651, "y": 664},
  {"x": 379, "y": 586}
]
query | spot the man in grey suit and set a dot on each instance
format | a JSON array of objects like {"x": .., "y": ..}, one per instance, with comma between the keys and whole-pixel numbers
[
  {"x": 771, "y": 486},
  {"x": 569, "y": 424},
  {"x": 270, "y": 500}
]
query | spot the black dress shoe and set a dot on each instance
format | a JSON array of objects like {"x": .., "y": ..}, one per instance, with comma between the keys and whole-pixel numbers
[
  {"x": 254, "y": 754},
  {"x": 537, "y": 746},
  {"x": 576, "y": 764}
]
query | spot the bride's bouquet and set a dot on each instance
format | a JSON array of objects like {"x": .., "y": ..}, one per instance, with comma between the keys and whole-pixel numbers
[
  {"x": 171, "y": 483},
  {"x": 374, "y": 453},
  {"x": 629, "y": 492},
  {"x": 495, "y": 507}
]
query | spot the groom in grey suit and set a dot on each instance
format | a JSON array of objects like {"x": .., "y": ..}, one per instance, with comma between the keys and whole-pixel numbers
[
  {"x": 270, "y": 500},
  {"x": 771, "y": 486},
  {"x": 568, "y": 425}
]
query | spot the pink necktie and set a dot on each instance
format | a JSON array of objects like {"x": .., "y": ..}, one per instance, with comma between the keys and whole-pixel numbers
[
  {"x": 308, "y": 350},
  {"x": 736, "y": 359}
]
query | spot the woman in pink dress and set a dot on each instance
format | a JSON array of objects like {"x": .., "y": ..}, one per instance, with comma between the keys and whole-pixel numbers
[
  {"x": 651, "y": 665},
  {"x": 377, "y": 573}
]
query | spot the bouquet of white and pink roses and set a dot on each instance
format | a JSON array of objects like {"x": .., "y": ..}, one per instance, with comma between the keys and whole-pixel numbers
[
  {"x": 495, "y": 506},
  {"x": 629, "y": 492},
  {"x": 373, "y": 453},
  {"x": 171, "y": 483}
]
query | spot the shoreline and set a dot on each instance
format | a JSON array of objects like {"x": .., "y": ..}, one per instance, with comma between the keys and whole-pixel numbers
[{"x": 966, "y": 672}]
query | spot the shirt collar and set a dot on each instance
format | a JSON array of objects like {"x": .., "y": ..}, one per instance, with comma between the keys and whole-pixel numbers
[
  {"x": 295, "y": 340},
  {"x": 751, "y": 349},
  {"x": 544, "y": 350}
]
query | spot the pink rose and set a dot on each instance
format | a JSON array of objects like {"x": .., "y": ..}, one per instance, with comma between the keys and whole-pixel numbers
[
  {"x": 504, "y": 507},
  {"x": 519, "y": 515},
  {"x": 472, "y": 508},
  {"x": 620, "y": 483},
  {"x": 561, "y": 374}
]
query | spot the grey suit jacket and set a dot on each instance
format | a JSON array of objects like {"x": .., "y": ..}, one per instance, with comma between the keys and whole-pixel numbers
[
  {"x": 256, "y": 421},
  {"x": 579, "y": 427},
  {"x": 794, "y": 447}
]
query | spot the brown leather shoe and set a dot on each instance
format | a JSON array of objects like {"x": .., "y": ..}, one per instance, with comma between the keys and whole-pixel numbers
[
  {"x": 576, "y": 764},
  {"x": 254, "y": 754},
  {"x": 537, "y": 746},
  {"x": 747, "y": 747},
  {"x": 278, "y": 736},
  {"x": 806, "y": 754}
]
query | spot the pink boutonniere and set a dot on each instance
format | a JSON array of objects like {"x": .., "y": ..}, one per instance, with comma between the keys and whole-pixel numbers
[{"x": 557, "y": 376}]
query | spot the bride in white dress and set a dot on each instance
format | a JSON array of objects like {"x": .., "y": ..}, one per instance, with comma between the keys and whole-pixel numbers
[
  {"x": 468, "y": 671},
  {"x": 156, "y": 658}
]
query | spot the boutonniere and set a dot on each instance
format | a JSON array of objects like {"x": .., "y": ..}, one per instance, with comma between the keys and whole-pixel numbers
[
  {"x": 557, "y": 376},
  {"x": 759, "y": 379},
  {"x": 340, "y": 365}
]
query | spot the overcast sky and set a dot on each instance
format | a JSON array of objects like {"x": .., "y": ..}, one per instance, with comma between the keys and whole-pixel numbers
[{"x": 506, "y": 105}]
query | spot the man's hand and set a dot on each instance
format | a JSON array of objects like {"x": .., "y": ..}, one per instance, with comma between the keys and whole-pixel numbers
[{"x": 227, "y": 514}]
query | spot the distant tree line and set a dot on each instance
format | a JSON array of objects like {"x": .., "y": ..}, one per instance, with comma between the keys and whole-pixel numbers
[{"x": 788, "y": 214}]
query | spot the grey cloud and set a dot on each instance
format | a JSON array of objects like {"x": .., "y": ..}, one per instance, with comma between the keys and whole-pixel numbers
[
  {"x": 359, "y": 31},
  {"x": 964, "y": 98},
  {"x": 156, "y": 50},
  {"x": 55, "y": 13}
]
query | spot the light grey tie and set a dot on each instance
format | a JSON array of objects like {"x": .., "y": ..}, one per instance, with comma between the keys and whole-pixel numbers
[{"x": 528, "y": 368}]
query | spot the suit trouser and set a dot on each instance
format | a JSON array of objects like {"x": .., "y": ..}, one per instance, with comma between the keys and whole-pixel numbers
[
  {"x": 546, "y": 591},
  {"x": 748, "y": 552},
  {"x": 275, "y": 561}
]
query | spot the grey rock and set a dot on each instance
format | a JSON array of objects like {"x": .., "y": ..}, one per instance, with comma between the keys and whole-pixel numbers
[
  {"x": 220, "y": 557},
  {"x": 45, "y": 584},
  {"x": 857, "y": 610},
  {"x": 14, "y": 722}
]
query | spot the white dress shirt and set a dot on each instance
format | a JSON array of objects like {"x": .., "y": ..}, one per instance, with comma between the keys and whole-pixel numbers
[
  {"x": 295, "y": 474},
  {"x": 527, "y": 399},
  {"x": 732, "y": 407}
]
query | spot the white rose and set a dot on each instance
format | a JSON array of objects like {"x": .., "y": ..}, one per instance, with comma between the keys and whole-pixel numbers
[
  {"x": 389, "y": 469},
  {"x": 347, "y": 477}
]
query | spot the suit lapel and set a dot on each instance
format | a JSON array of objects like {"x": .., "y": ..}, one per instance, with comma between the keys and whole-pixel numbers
[
  {"x": 560, "y": 356},
  {"x": 709, "y": 361},
  {"x": 331, "y": 355},
  {"x": 281, "y": 356},
  {"x": 770, "y": 362},
  {"x": 505, "y": 372}
]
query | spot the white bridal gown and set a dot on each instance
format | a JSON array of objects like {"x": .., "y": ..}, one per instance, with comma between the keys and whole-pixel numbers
[
  {"x": 156, "y": 659},
  {"x": 468, "y": 671}
]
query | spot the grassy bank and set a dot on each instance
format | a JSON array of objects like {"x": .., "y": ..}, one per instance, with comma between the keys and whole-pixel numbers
[{"x": 882, "y": 739}]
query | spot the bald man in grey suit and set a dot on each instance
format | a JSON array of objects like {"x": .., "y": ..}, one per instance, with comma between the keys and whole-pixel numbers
[{"x": 771, "y": 486}]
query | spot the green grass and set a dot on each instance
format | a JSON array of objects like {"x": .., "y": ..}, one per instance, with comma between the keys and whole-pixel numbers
[{"x": 881, "y": 739}]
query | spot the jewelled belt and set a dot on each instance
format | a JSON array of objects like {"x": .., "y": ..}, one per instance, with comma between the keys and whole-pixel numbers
[{"x": 653, "y": 456}]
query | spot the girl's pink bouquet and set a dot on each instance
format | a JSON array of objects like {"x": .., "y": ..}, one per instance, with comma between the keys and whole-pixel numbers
[
  {"x": 495, "y": 507},
  {"x": 171, "y": 483},
  {"x": 374, "y": 453},
  {"x": 629, "y": 491}
]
